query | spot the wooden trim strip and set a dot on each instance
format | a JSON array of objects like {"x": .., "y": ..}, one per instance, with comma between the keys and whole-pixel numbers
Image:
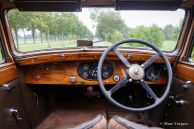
[
  {"x": 185, "y": 72},
  {"x": 82, "y": 56},
  {"x": 8, "y": 72}
]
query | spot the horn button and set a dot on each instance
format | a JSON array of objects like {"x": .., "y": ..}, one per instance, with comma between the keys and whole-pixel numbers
[{"x": 136, "y": 72}]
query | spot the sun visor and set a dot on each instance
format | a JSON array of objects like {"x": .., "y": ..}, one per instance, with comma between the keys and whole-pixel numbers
[
  {"x": 49, "y": 5},
  {"x": 147, "y": 4}
]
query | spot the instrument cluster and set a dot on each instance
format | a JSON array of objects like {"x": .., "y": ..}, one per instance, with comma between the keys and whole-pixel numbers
[{"x": 88, "y": 70}]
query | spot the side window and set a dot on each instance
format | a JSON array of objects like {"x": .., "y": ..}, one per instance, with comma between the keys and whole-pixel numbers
[
  {"x": 2, "y": 58},
  {"x": 191, "y": 58}
]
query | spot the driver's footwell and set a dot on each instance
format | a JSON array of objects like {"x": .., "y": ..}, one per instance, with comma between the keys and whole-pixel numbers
[{"x": 75, "y": 112}]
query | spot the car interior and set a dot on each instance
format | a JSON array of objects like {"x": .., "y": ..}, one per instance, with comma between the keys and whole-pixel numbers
[{"x": 96, "y": 64}]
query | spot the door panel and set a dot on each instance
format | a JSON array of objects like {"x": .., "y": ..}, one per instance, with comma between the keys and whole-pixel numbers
[
  {"x": 13, "y": 114},
  {"x": 12, "y": 110},
  {"x": 181, "y": 113}
]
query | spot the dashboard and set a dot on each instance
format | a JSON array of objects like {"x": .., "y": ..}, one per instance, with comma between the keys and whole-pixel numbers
[
  {"x": 80, "y": 68},
  {"x": 85, "y": 73}
]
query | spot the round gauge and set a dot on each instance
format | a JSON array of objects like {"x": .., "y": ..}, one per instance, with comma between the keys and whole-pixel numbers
[
  {"x": 153, "y": 74},
  {"x": 105, "y": 74}
]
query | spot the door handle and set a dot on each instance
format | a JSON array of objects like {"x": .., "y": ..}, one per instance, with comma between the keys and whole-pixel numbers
[
  {"x": 15, "y": 114},
  {"x": 7, "y": 87}
]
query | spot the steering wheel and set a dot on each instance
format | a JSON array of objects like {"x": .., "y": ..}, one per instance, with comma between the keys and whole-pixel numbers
[{"x": 134, "y": 72}]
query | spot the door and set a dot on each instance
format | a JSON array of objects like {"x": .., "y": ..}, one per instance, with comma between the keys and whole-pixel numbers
[
  {"x": 12, "y": 108},
  {"x": 180, "y": 110}
]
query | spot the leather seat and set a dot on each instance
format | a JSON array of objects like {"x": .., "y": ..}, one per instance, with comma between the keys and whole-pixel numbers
[
  {"x": 121, "y": 123},
  {"x": 99, "y": 122}
]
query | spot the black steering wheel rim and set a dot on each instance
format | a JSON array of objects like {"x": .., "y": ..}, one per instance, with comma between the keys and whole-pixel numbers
[{"x": 109, "y": 97}]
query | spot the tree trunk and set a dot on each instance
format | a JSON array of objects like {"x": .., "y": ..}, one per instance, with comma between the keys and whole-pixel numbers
[
  {"x": 55, "y": 38},
  {"x": 24, "y": 36},
  {"x": 41, "y": 37},
  {"x": 62, "y": 38},
  {"x": 48, "y": 40},
  {"x": 33, "y": 34},
  {"x": 16, "y": 35}
]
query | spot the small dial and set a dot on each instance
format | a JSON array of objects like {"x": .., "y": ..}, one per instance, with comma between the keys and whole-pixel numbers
[
  {"x": 153, "y": 73},
  {"x": 105, "y": 74}
]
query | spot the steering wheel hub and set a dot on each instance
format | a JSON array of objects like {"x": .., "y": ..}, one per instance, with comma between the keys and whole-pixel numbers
[{"x": 136, "y": 72}]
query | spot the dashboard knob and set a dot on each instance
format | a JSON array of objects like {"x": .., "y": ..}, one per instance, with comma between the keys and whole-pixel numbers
[
  {"x": 72, "y": 79},
  {"x": 116, "y": 78}
]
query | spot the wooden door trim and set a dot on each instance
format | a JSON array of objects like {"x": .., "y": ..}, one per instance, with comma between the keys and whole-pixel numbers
[{"x": 185, "y": 72}]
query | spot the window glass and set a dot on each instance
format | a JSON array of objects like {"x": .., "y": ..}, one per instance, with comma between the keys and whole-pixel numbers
[
  {"x": 191, "y": 57},
  {"x": 2, "y": 59},
  {"x": 104, "y": 26}
]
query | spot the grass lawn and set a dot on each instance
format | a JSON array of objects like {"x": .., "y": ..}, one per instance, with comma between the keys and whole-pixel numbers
[
  {"x": 1, "y": 58},
  {"x": 167, "y": 45},
  {"x": 37, "y": 46}
]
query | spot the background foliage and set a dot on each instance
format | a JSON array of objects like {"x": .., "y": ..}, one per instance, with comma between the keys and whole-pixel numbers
[{"x": 54, "y": 29}]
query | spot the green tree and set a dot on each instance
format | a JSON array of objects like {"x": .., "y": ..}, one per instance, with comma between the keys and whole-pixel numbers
[
  {"x": 140, "y": 32},
  {"x": 116, "y": 36},
  {"x": 41, "y": 25},
  {"x": 169, "y": 31},
  {"x": 153, "y": 34},
  {"x": 156, "y": 36},
  {"x": 178, "y": 30},
  {"x": 54, "y": 25},
  {"x": 107, "y": 23},
  {"x": 14, "y": 19},
  {"x": 33, "y": 20}
]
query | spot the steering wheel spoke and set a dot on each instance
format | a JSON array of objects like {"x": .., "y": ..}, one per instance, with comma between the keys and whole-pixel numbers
[
  {"x": 150, "y": 61},
  {"x": 119, "y": 85},
  {"x": 121, "y": 57},
  {"x": 149, "y": 90}
]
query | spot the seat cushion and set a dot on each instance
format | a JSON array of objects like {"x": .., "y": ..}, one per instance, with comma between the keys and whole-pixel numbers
[
  {"x": 99, "y": 122},
  {"x": 121, "y": 123}
]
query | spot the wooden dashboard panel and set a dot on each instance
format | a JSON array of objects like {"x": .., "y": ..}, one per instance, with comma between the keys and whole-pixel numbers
[{"x": 60, "y": 73}]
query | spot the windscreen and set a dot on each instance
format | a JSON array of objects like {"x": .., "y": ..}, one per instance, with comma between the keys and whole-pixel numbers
[{"x": 102, "y": 26}]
